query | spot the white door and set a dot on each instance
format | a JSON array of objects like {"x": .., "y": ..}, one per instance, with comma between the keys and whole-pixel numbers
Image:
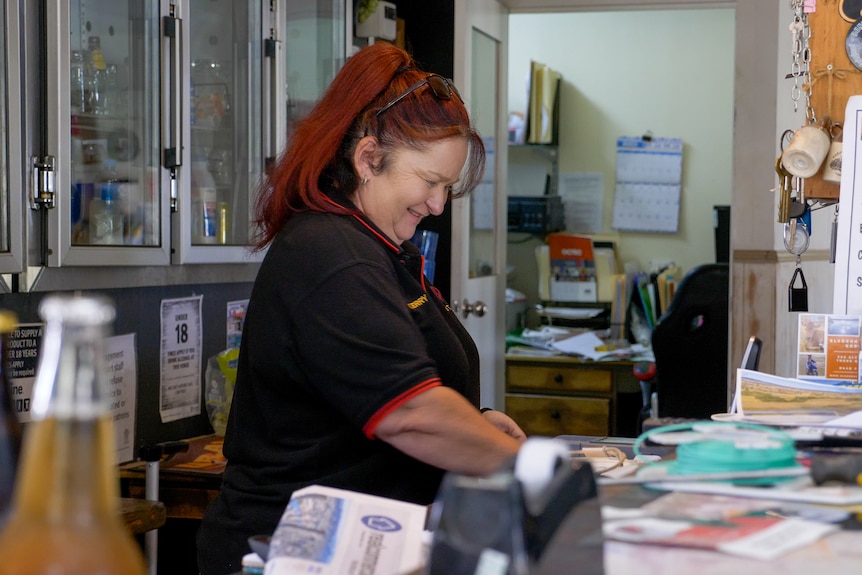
[{"x": 478, "y": 222}]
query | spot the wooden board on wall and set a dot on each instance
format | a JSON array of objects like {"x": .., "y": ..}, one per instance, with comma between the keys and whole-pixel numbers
[{"x": 827, "y": 44}]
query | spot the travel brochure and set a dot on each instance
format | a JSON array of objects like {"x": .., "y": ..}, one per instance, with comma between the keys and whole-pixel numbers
[
  {"x": 828, "y": 348},
  {"x": 765, "y": 398}
]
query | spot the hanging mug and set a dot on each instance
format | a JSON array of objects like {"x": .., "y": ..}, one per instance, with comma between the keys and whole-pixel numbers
[
  {"x": 807, "y": 150},
  {"x": 832, "y": 163}
]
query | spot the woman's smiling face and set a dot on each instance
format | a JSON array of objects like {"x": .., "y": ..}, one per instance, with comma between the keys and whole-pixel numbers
[{"x": 414, "y": 184}]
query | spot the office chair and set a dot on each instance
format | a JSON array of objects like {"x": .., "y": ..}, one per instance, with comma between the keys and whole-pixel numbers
[
  {"x": 689, "y": 342},
  {"x": 751, "y": 356}
]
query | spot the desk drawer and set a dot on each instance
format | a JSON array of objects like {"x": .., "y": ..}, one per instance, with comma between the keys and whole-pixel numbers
[
  {"x": 562, "y": 378},
  {"x": 552, "y": 416}
]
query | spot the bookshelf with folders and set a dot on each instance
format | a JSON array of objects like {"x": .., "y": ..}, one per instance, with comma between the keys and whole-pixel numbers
[
  {"x": 534, "y": 143},
  {"x": 542, "y": 124}
]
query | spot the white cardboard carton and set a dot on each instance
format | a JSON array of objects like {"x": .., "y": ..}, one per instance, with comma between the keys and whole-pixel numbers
[{"x": 329, "y": 531}]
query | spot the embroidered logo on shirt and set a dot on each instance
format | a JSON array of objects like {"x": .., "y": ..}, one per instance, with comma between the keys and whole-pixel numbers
[{"x": 418, "y": 302}]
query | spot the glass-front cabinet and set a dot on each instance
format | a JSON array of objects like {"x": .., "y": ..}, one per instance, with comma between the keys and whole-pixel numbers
[
  {"x": 11, "y": 201},
  {"x": 162, "y": 116}
]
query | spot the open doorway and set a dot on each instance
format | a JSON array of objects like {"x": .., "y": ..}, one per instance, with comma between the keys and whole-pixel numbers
[{"x": 628, "y": 72}]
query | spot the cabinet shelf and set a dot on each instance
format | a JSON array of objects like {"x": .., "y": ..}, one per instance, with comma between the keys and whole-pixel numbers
[{"x": 550, "y": 154}]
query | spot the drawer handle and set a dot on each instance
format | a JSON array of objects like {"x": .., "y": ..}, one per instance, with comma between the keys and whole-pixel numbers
[
  {"x": 558, "y": 378},
  {"x": 555, "y": 414}
]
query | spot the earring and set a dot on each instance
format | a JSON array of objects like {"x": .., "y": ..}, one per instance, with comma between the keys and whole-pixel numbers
[{"x": 364, "y": 181}]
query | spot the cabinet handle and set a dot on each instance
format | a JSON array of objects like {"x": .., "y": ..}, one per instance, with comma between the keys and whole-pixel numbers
[
  {"x": 555, "y": 414},
  {"x": 173, "y": 106},
  {"x": 274, "y": 123},
  {"x": 558, "y": 378}
]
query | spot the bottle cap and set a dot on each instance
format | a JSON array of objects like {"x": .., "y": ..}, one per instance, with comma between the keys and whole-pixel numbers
[{"x": 110, "y": 192}]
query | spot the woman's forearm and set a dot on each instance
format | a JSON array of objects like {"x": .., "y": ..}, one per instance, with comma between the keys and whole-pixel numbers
[{"x": 441, "y": 428}]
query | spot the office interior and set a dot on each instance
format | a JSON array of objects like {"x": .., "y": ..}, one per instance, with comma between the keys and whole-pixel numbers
[
  {"x": 746, "y": 55},
  {"x": 709, "y": 72},
  {"x": 640, "y": 85}
]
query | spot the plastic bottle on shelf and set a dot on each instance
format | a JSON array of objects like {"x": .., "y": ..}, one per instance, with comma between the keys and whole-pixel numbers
[
  {"x": 95, "y": 77},
  {"x": 107, "y": 218},
  {"x": 64, "y": 512},
  {"x": 205, "y": 216},
  {"x": 223, "y": 219},
  {"x": 10, "y": 426},
  {"x": 109, "y": 90},
  {"x": 77, "y": 144},
  {"x": 77, "y": 76}
]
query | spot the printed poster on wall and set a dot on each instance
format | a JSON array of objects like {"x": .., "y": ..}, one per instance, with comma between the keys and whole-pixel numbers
[
  {"x": 121, "y": 363},
  {"x": 828, "y": 350},
  {"x": 22, "y": 359},
  {"x": 180, "y": 369}
]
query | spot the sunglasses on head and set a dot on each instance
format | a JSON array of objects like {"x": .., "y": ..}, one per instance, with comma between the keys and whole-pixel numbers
[{"x": 441, "y": 87}]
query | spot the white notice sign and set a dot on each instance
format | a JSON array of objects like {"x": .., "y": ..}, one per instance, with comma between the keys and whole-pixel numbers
[
  {"x": 121, "y": 364},
  {"x": 22, "y": 359},
  {"x": 180, "y": 385}
]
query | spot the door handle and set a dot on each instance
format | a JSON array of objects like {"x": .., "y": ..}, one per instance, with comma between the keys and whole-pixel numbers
[{"x": 478, "y": 309}]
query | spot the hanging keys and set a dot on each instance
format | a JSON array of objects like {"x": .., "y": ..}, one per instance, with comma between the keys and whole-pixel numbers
[
  {"x": 798, "y": 207},
  {"x": 785, "y": 191},
  {"x": 798, "y": 296}
]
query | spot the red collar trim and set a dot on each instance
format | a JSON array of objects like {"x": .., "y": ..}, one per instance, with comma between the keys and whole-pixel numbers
[{"x": 362, "y": 220}]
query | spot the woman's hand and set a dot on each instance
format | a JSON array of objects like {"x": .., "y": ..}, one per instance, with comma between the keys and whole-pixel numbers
[{"x": 505, "y": 424}]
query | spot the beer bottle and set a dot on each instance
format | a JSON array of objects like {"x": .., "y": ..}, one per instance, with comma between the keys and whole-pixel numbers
[
  {"x": 65, "y": 518},
  {"x": 10, "y": 427}
]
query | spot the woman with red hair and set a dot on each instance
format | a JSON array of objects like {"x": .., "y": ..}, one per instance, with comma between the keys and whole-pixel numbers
[{"x": 353, "y": 371}]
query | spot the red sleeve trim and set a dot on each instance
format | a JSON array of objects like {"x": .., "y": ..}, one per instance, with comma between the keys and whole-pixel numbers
[{"x": 375, "y": 420}]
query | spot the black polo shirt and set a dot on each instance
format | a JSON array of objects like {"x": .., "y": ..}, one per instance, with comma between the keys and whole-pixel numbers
[{"x": 341, "y": 329}]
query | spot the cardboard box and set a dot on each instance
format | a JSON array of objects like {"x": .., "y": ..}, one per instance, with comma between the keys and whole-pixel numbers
[{"x": 328, "y": 531}]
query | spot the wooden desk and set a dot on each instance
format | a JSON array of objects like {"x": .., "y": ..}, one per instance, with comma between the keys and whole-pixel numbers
[
  {"x": 142, "y": 515},
  {"x": 565, "y": 395},
  {"x": 188, "y": 480},
  {"x": 184, "y": 496}
]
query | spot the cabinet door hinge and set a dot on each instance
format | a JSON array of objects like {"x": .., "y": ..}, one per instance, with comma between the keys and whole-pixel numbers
[{"x": 42, "y": 186}]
